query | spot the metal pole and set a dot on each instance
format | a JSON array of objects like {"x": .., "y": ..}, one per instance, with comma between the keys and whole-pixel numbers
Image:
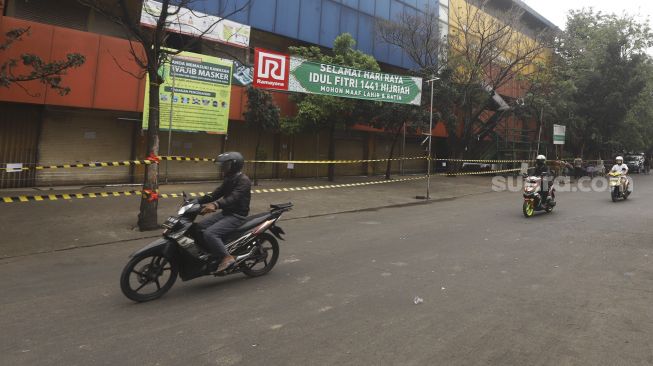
[
  {"x": 428, "y": 169},
  {"x": 403, "y": 151},
  {"x": 172, "y": 98},
  {"x": 540, "y": 132}
]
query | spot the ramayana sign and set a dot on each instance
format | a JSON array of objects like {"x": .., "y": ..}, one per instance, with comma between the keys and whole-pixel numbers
[{"x": 283, "y": 72}]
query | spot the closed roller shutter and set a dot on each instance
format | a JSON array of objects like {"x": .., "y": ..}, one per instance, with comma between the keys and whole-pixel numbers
[
  {"x": 383, "y": 147},
  {"x": 201, "y": 145},
  {"x": 350, "y": 149},
  {"x": 414, "y": 149},
  {"x": 242, "y": 138},
  {"x": 306, "y": 147},
  {"x": 83, "y": 136},
  {"x": 19, "y": 131}
]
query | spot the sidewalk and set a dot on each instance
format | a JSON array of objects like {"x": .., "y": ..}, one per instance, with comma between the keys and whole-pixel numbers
[{"x": 36, "y": 227}]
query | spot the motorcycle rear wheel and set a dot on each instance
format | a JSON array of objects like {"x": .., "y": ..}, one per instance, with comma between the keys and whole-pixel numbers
[
  {"x": 528, "y": 209},
  {"x": 268, "y": 254},
  {"x": 144, "y": 272}
]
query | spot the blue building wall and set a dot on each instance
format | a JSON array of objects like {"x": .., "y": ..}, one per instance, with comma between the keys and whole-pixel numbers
[{"x": 320, "y": 21}]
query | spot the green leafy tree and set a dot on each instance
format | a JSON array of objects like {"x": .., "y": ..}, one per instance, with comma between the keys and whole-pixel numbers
[
  {"x": 48, "y": 73},
  {"x": 548, "y": 99},
  {"x": 262, "y": 114},
  {"x": 604, "y": 56},
  {"x": 320, "y": 112}
]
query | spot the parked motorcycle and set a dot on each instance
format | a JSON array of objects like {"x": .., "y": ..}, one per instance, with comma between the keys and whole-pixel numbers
[
  {"x": 533, "y": 199},
  {"x": 618, "y": 183},
  {"x": 153, "y": 269}
]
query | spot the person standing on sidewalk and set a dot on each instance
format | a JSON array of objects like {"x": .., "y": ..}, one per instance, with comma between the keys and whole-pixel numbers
[
  {"x": 233, "y": 198},
  {"x": 578, "y": 168}
]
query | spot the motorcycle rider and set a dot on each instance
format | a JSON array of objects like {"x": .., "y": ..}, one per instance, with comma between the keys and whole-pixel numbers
[
  {"x": 233, "y": 198},
  {"x": 622, "y": 168},
  {"x": 542, "y": 170}
]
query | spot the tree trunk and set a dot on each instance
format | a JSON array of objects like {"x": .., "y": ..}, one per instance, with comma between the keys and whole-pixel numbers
[
  {"x": 332, "y": 152},
  {"x": 256, "y": 155},
  {"x": 392, "y": 151},
  {"x": 147, "y": 217}
]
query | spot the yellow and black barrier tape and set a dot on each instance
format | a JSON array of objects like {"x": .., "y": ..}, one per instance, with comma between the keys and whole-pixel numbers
[
  {"x": 67, "y": 196},
  {"x": 102, "y": 164},
  {"x": 480, "y": 172},
  {"x": 485, "y": 160},
  {"x": 95, "y": 165},
  {"x": 330, "y": 161},
  {"x": 185, "y": 158},
  {"x": 105, "y": 164},
  {"x": 72, "y": 196},
  {"x": 154, "y": 160}
]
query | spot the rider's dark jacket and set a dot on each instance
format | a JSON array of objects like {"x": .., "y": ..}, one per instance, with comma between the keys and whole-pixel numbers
[
  {"x": 539, "y": 170},
  {"x": 232, "y": 196}
]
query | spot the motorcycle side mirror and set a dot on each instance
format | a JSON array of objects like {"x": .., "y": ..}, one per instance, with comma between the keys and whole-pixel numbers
[{"x": 183, "y": 193}]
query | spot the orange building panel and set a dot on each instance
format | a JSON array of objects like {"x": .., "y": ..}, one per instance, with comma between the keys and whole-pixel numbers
[
  {"x": 237, "y": 103},
  {"x": 37, "y": 42},
  {"x": 81, "y": 80},
  {"x": 115, "y": 86}
]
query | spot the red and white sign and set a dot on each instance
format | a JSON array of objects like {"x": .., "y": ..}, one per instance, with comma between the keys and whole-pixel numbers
[{"x": 271, "y": 69}]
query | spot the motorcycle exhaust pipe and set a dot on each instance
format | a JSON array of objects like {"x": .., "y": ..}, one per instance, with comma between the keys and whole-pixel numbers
[{"x": 241, "y": 258}]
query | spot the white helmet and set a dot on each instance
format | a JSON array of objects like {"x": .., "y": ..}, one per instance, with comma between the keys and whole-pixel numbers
[
  {"x": 619, "y": 159},
  {"x": 540, "y": 157}
]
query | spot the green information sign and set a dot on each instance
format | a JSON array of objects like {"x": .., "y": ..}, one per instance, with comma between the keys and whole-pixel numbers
[
  {"x": 339, "y": 81},
  {"x": 559, "y": 134},
  {"x": 196, "y": 92}
]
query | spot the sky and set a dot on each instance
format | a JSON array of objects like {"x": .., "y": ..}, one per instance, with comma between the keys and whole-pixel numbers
[{"x": 556, "y": 10}]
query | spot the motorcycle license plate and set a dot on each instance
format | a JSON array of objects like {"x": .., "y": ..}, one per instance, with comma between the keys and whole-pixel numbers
[{"x": 170, "y": 222}]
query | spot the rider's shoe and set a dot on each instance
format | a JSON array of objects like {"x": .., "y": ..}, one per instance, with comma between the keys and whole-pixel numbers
[{"x": 227, "y": 262}]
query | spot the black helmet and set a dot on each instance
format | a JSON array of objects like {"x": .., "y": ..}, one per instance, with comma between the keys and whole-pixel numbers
[{"x": 230, "y": 162}]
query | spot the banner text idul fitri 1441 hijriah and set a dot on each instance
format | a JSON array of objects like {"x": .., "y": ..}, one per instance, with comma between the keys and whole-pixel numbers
[{"x": 283, "y": 72}]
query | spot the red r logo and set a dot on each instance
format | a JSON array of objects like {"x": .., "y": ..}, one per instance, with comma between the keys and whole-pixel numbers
[{"x": 271, "y": 69}]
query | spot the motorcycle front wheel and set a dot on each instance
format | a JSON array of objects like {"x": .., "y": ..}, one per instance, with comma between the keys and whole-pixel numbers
[
  {"x": 265, "y": 259},
  {"x": 528, "y": 208},
  {"x": 147, "y": 277},
  {"x": 614, "y": 194}
]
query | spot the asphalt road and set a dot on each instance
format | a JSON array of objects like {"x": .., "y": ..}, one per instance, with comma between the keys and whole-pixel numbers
[{"x": 574, "y": 287}]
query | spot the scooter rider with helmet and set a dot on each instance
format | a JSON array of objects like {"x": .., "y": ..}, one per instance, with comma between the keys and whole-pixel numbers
[
  {"x": 233, "y": 198},
  {"x": 622, "y": 168},
  {"x": 543, "y": 171},
  {"x": 619, "y": 165}
]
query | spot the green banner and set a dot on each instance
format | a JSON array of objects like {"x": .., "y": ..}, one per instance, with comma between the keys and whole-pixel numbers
[
  {"x": 196, "y": 92},
  {"x": 340, "y": 81}
]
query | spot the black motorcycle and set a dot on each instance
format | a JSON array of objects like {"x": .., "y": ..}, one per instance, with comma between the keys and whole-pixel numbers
[{"x": 153, "y": 270}]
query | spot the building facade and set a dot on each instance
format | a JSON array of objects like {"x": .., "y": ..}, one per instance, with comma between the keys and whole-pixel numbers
[{"x": 100, "y": 120}]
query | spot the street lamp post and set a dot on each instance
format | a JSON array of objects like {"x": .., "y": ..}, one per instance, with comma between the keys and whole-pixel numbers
[{"x": 430, "y": 137}]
